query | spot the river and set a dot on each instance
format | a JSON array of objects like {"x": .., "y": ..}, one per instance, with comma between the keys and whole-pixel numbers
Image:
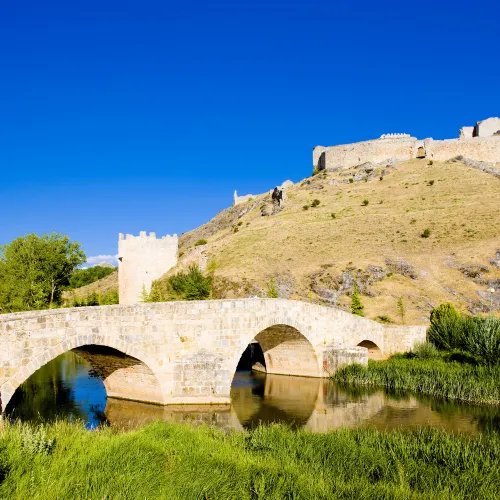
[{"x": 68, "y": 388}]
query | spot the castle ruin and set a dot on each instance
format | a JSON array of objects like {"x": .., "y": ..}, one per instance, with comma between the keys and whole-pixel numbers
[
  {"x": 478, "y": 143},
  {"x": 141, "y": 260}
]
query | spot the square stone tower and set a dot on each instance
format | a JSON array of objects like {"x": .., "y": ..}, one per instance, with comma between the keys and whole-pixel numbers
[{"x": 141, "y": 260}]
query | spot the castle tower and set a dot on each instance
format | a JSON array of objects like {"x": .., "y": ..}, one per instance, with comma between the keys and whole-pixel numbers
[{"x": 141, "y": 260}]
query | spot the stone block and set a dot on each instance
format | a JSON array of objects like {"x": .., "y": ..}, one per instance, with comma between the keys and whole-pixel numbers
[{"x": 335, "y": 356}]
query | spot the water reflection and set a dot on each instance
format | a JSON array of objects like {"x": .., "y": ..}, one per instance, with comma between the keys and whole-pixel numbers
[{"x": 65, "y": 388}]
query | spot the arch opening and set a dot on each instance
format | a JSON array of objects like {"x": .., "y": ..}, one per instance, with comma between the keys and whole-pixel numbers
[
  {"x": 421, "y": 152},
  {"x": 77, "y": 383},
  {"x": 285, "y": 351},
  {"x": 374, "y": 351}
]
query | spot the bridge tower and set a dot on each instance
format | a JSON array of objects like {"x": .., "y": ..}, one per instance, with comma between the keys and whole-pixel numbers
[{"x": 141, "y": 260}]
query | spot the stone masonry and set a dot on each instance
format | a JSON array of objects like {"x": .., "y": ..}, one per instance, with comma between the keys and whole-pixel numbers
[
  {"x": 479, "y": 143},
  {"x": 187, "y": 352},
  {"x": 141, "y": 260}
]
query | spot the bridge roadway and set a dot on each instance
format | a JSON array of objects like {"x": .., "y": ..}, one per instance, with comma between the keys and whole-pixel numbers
[{"x": 187, "y": 352}]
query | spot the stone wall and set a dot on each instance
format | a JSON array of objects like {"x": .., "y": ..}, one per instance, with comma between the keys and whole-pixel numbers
[
  {"x": 141, "y": 260},
  {"x": 484, "y": 149},
  {"x": 191, "y": 348}
]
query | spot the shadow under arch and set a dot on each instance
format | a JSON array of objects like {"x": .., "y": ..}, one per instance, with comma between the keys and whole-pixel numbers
[
  {"x": 374, "y": 351},
  {"x": 286, "y": 351},
  {"x": 131, "y": 369}
]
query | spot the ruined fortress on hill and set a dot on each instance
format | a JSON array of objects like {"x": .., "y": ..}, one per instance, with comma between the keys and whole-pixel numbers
[
  {"x": 478, "y": 143},
  {"x": 145, "y": 258}
]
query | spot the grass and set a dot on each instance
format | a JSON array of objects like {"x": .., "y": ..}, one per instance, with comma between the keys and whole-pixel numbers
[
  {"x": 435, "y": 376},
  {"x": 174, "y": 461}
]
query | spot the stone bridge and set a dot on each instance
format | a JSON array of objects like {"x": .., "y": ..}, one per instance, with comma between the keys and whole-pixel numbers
[{"x": 187, "y": 352}]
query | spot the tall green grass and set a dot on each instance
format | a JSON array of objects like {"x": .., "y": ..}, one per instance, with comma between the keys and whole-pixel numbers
[
  {"x": 436, "y": 377},
  {"x": 168, "y": 461}
]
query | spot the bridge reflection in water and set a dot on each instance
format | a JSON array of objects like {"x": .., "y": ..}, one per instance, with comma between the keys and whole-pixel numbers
[
  {"x": 316, "y": 405},
  {"x": 68, "y": 387}
]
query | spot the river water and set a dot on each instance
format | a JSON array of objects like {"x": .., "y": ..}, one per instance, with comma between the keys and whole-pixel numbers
[{"x": 67, "y": 387}]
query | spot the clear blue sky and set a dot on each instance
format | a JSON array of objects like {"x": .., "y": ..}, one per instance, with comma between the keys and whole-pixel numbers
[{"x": 121, "y": 116}]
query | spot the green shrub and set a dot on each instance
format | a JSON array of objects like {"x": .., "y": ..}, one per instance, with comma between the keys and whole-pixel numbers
[
  {"x": 272, "y": 291},
  {"x": 190, "y": 285},
  {"x": 333, "y": 215},
  {"x": 200, "y": 242},
  {"x": 425, "y": 350},
  {"x": 305, "y": 207},
  {"x": 426, "y": 233},
  {"x": 474, "y": 337},
  {"x": 315, "y": 172},
  {"x": 236, "y": 229},
  {"x": 430, "y": 183},
  {"x": 351, "y": 180},
  {"x": 383, "y": 319},
  {"x": 365, "y": 203},
  {"x": 430, "y": 162},
  {"x": 315, "y": 203}
]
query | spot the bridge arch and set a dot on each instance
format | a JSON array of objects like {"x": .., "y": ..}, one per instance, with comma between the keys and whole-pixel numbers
[
  {"x": 287, "y": 347},
  {"x": 115, "y": 381},
  {"x": 374, "y": 351}
]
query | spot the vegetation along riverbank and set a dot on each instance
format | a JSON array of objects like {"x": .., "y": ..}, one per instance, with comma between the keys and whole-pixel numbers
[
  {"x": 460, "y": 362},
  {"x": 174, "y": 461}
]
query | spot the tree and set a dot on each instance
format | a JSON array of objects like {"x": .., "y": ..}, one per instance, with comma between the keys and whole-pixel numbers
[
  {"x": 401, "y": 309},
  {"x": 357, "y": 306},
  {"x": 35, "y": 269}
]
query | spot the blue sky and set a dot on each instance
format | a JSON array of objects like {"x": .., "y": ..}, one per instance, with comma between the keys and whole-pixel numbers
[{"x": 121, "y": 116}]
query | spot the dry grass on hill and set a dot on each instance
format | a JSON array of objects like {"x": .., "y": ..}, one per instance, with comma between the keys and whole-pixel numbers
[
  {"x": 307, "y": 251},
  {"x": 101, "y": 287}
]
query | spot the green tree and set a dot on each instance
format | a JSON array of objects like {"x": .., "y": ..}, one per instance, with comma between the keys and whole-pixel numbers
[
  {"x": 357, "y": 306},
  {"x": 401, "y": 309},
  {"x": 35, "y": 269},
  {"x": 82, "y": 277}
]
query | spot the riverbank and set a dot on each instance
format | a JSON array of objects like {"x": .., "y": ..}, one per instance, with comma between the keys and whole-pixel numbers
[
  {"x": 162, "y": 460},
  {"x": 436, "y": 376}
]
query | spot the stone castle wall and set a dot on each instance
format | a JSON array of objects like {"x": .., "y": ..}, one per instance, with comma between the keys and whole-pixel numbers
[
  {"x": 485, "y": 149},
  {"x": 141, "y": 260},
  {"x": 479, "y": 143}
]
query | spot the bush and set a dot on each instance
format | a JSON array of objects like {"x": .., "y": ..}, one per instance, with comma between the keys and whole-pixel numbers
[
  {"x": 426, "y": 233},
  {"x": 430, "y": 183},
  {"x": 351, "y": 180},
  {"x": 200, "y": 242},
  {"x": 475, "y": 338},
  {"x": 305, "y": 207},
  {"x": 333, "y": 215},
  {"x": 425, "y": 350},
  {"x": 315, "y": 203},
  {"x": 272, "y": 291},
  {"x": 365, "y": 203},
  {"x": 430, "y": 162},
  {"x": 383, "y": 318},
  {"x": 190, "y": 285}
]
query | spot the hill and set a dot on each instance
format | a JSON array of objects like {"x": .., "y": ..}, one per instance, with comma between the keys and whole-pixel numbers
[{"x": 425, "y": 232}]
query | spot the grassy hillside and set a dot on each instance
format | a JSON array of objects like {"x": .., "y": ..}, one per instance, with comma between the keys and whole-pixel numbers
[{"x": 315, "y": 252}]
